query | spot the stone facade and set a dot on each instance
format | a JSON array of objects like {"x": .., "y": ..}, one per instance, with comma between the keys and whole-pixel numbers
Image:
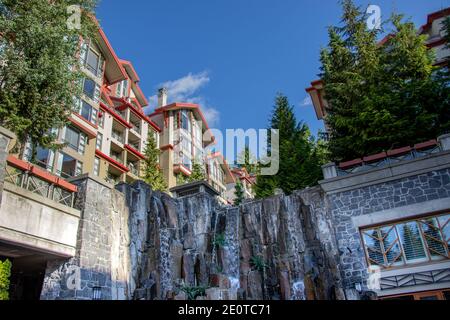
[
  {"x": 400, "y": 193},
  {"x": 137, "y": 244}
]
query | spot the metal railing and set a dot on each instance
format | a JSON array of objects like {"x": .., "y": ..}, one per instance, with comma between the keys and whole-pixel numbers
[
  {"x": 118, "y": 136},
  {"x": 416, "y": 279},
  {"x": 133, "y": 169},
  {"x": 389, "y": 160},
  {"x": 135, "y": 128},
  {"x": 27, "y": 181}
]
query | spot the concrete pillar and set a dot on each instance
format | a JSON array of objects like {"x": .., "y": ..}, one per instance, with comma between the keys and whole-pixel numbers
[
  {"x": 329, "y": 171},
  {"x": 444, "y": 141}
]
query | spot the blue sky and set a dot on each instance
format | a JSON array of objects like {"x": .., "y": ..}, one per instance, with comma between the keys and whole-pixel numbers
[{"x": 233, "y": 56}]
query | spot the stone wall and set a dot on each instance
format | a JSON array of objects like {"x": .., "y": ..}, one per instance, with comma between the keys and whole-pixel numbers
[
  {"x": 396, "y": 194},
  {"x": 92, "y": 266},
  {"x": 136, "y": 244},
  {"x": 143, "y": 245}
]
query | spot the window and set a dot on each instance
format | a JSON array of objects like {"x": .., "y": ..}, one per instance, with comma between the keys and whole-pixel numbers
[
  {"x": 97, "y": 166},
  {"x": 185, "y": 121},
  {"x": 88, "y": 112},
  {"x": 187, "y": 162},
  {"x": 186, "y": 145},
  {"x": 122, "y": 89},
  {"x": 91, "y": 59},
  {"x": 99, "y": 141},
  {"x": 408, "y": 242},
  {"x": 101, "y": 120},
  {"x": 69, "y": 167},
  {"x": 198, "y": 134},
  {"x": 75, "y": 139},
  {"x": 125, "y": 88},
  {"x": 91, "y": 89},
  {"x": 44, "y": 158}
]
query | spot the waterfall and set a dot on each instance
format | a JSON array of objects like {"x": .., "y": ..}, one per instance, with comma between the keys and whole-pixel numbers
[
  {"x": 165, "y": 259},
  {"x": 298, "y": 291}
]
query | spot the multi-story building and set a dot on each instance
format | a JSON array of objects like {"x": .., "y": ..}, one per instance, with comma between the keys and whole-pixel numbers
[
  {"x": 433, "y": 28},
  {"x": 247, "y": 181},
  {"x": 436, "y": 40},
  {"x": 219, "y": 175},
  {"x": 108, "y": 130},
  {"x": 123, "y": 130}
]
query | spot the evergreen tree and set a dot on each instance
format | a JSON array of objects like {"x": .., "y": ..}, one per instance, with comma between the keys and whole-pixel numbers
[
  {"x": 380, "y": 96},
  {"x": 239, "y": 193},
  {"x": 248, "y": 161},
  {"x": 152, "y": 173},
  {"x": 300, "y": 164},
  {"x": 39, "y": 69},
  {"x": 198, "y": 173}
]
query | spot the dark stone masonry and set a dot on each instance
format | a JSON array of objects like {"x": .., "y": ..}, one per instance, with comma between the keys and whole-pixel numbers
[{"x": 137, "y": 244}]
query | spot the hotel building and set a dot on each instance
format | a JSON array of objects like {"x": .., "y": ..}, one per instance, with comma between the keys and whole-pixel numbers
[{"x": 107, "y": 131}]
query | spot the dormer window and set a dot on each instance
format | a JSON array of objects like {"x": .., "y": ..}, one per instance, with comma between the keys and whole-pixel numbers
[
  {"x": 91, "y": 59},
  {"x": 122, "y": 89}
]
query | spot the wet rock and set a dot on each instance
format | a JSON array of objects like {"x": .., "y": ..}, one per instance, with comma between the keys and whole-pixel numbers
[{"x": 254, "y": 286}]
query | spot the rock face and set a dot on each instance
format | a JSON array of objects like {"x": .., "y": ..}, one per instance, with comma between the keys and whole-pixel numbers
[
  {"x": 145, "y": 245},
  {"x": 279, "y": 248}
]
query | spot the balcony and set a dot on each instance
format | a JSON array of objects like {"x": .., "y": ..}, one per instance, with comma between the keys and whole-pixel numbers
[
  {"x": 37, "y": 210},
  {"x": 32, "y": 178},
  {"x": 117, "y": 157},
  {"x": 134, "y": 168},
  {"x": 136, "y": 129},
  {"x": 118, "y": 136}
]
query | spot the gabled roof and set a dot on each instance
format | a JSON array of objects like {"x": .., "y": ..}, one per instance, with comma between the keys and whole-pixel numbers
[
  {"x": 194, "y": 107},
  {"x": 132, "y": 74},
  {"x": 114, "y": 72},
  {"x": 121, "y": 103},
  {"x": 433, "y": 17}
]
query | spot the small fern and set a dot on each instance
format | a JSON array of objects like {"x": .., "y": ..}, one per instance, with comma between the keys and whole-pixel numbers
[
  {"x": 257, "y": 263},
  {"x": 193, "y": 293},
  {"x": 220, "y": 240}
]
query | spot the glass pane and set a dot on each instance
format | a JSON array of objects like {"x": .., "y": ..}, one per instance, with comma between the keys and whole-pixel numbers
[
  {"x": 89, "y": 88},
  {"x": 86, "y": 111},
  {"x": 411, "y": 241},
  {"x": 92, "y": 62},
  {"x": 391, "y": 245},
  {"x": 69, "y": 166},
  {"x": 42, "y": 157},
  {"x": 433, "y": 237},
  {"x": 72, "y": 138},
  {"x": 445, "y": 225},
  {"x": 373, "y": 244},
  {"x": 125, "y": 88}
]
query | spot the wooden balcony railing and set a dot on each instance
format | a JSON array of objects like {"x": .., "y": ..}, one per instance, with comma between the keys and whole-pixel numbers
[{"x": 38, "y": 181}]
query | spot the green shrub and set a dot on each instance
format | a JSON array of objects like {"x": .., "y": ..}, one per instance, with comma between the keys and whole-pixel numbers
[
  {"x": 257, "y": 263},
  {"x": 5, "y": 274},
  {"x": 220, "y": 240},
  {"x": 193, "y": 292}
]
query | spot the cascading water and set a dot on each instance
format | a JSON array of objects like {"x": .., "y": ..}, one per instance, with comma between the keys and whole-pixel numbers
[
  {"x": 232, "y": 248},
  {"x": 298, "y": 291},
  {"x": 165, "y": 261}
]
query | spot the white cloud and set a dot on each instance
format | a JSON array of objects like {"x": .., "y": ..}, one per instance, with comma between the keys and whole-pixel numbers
[
  {"x": 306, "y": 102},
  {"x": 186, "y": 89}
]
